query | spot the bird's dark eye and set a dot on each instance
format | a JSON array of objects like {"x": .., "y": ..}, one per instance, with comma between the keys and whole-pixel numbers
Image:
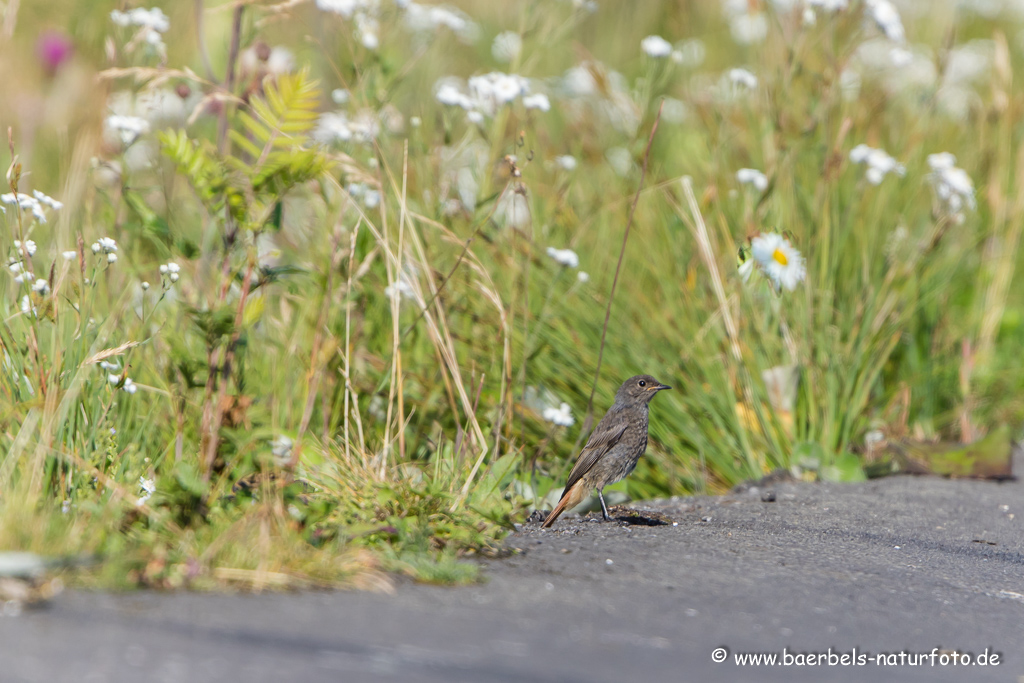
[{"x": 642, "y": 383}]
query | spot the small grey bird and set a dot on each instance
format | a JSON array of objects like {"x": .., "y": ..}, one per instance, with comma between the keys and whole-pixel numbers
[{"x": 614, "y": 448}]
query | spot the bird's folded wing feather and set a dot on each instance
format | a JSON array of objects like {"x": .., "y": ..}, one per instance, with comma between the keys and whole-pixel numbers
[{"x": 599, "y": 443}]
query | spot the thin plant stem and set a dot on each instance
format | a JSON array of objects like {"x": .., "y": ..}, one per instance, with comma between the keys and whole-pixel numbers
[{"x": 588, "y": 422}]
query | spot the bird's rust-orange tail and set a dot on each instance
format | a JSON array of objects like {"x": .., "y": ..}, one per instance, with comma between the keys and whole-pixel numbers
[{"x": 570, "y": 499}]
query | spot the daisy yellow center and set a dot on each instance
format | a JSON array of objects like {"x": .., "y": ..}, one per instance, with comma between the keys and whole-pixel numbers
[{"x": 780, "y": 256}]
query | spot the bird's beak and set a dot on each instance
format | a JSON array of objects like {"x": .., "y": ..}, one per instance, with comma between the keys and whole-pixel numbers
[{"x": 660, "y": 387}]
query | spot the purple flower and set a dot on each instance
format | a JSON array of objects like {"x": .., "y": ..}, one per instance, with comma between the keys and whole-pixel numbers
[{"x": 53, "y": 49}]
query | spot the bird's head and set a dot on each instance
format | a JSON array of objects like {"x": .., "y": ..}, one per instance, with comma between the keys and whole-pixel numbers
[{"x": 639, "y": 390}]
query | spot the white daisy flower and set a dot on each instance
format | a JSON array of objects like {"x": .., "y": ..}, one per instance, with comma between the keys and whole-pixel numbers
[{"x": 779, "y": 261}]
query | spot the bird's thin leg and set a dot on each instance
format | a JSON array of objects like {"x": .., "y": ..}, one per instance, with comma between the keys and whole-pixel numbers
[{"x": 604, "y": 508}]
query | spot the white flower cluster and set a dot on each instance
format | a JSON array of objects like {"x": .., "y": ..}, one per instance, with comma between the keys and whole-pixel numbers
[
  {"x": 952, "y": 185},
  {"x": 148, "y": 487},
  {"x": 747, "y": 25},
  {"x": 656, "y": 47},
  {"x": 401, "y": 288},
  {"x": 777, "y": 259},
  {"x": 106, "y": 245},
  {"x": 41, "y": 287},
  {"x": 879, "y": 163},
  {"x": 171, "y": 271},
  {"x": 153, "y": 21},
  {"x": 369, "y": 196},
  {"x": 28, "y": 247},
  {"x": 561, "y": 416},
  {"x": 488, "y": 93},
  {"x": 114, "y": 376},
  {"x": 566, "y": 162},
  {"x": 887, "y": 18},
  {"x": 128, "y": 385},
  {"x": 432, "y": 18},
  {"x": 418, "y": 18},
  {"x": 742, "y": 77},
  {"x": 35, "y": 203},
  {"x": 16, "y": 264},
  {"x": 565, "y": 257},
  {"x": 334, "y": 127},
  {"x": 753, "y": 177},
  {"x": 130, "y": 128}
]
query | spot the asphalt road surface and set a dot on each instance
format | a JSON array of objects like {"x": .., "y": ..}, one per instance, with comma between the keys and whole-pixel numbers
[{"x": 905, "y": 564}]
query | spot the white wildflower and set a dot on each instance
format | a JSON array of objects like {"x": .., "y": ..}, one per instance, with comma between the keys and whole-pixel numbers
[
  {"x": 28, "y": 246},
  {"x": 748, "y": 29},
  {"x": 129, "y": 385},
  {"x": 148, "y": 487},
  {"x": 779, "y": 261},
  {"x": 32, "y": 204},
  {"x": 538, "y": 101},
  {"x": 154, "y": 19},
  {"x": 829, "y": 5},
  {"x": 111, "y": 258},
  {"x": 583, "y": 276},
  {"x": 68, "y": 255},
  {"x": 144, "y": 285},
  {"x": 952, "y": 185},
  {"x": 566, "y": 162},
  {"x": 281, "y": 61},
  {"x": 656, "y": 46},
  {"x": 281, "y": 448},
  {"x": 751, "y": 176},
  {"x": 401, "y": 288},
  {"x": 432, "y": 18},
  {"x": 340, "y": 96},
  {"x": 561, "y": 416},
  {"x": 887, "y": 18},
  {"x": 742, "y": 77},
  {"x": 879, "y": 163},
  {"x": 130, "y": 128},
  {"x": 507, "y": 46},
  {"x": 566, "y": 257},
  {"x": 41, "y": 287},
  {"x": 347, "y": 8},
  {"x": 27, "y": 307}
]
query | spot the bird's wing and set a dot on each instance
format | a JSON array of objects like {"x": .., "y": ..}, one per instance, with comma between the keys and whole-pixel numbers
[{"x": 599, "y": 443}]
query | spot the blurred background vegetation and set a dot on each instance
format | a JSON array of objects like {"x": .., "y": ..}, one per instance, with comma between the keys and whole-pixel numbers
[{"x": 362, "y": 358}]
